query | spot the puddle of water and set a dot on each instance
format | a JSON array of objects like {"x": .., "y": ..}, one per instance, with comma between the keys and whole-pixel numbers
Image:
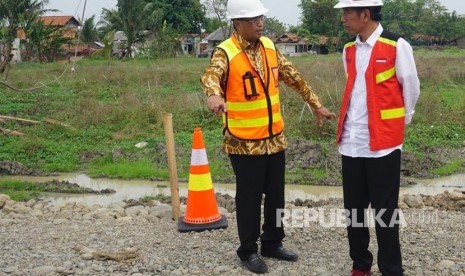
[
  {"x": 437, "y": 185},
  {"x": 135, "y": 189}
]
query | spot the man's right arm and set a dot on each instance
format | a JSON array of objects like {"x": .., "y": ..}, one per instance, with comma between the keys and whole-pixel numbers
[
  {"x": 212, "y": 81},
  {"x": 214, "y": 74}
]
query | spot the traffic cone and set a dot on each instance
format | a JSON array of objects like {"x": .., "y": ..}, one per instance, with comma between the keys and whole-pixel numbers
[{"x": 201, "y": 212}]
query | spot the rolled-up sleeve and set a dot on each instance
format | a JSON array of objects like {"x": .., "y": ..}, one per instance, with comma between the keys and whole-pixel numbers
[{"x": 292, "y": 78}]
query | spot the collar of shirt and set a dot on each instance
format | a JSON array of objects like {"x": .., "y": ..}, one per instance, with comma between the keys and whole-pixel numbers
[
  {"x": 254, "y": 55},
  {"x": 245, "y": 45},
  {"x": 373, "y": 37}
]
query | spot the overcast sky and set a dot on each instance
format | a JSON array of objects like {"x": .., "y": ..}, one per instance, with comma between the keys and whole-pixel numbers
[{"x": 288, "y": 13}]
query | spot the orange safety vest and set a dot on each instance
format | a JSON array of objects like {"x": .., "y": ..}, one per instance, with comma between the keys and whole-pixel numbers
[
  {"x": 385, "y": 102},
  {"x": 253, "y": 106}
]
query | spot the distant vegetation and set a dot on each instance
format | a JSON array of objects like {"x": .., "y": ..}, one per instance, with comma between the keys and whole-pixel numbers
[{"x": 422, "y": 22}]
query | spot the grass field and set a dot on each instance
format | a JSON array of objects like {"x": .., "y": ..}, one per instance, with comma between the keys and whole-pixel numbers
[{"x": 111, "y": 106}]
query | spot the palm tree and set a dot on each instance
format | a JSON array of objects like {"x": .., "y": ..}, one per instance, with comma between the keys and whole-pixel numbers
[
  {"x": 131, "y": 17},
  {"x": 88, "y": 32},
  {"x": 110, "y": 20},
  {"x": 14, "y": 11},
  {"x": 43, "y": 41}
]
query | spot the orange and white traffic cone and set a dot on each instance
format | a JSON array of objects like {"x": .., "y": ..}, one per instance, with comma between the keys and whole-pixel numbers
[{"x": 201, "y": 212}]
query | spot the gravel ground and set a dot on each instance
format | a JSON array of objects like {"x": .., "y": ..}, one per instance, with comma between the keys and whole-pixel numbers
[{"x": 77, "y": 239}]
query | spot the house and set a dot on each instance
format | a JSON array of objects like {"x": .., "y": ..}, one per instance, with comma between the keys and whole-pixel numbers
[
  {"x": 84, "y": 50},
  {"x": 459, "y": 42},
  {"x": 68, "y": 22},
  {"x": 428, "y": 40},
  {"x": 188, "y": 43},
  {"x": 119, "y": 43},
  {"x": 16, "y": 51},
  {"x": 321, "y": 44},
  {"x": 70, "y": 26},
  {"x": 292, "y": 45},
  {"x": 193, "y": 44},
  {"x": 218, "y": 36}
]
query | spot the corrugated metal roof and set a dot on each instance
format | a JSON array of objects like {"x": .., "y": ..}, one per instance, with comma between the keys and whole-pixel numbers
[
  {"x": 120, "y": 36},
  {"x": 218, "y": 35},
  {"x": 288, "y": 38}
]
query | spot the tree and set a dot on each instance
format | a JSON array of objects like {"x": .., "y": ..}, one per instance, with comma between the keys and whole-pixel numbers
[
  {"x": 88, "y": 32},
  {"x": 110, "y": 20},
  {"x": 424, "y": 20},
  {"x": 160, "y": 16},
  {"x": 212, "y": 24},
  {"x": 184, "y": 16},
  {"x": 217, "y": 9},
  {"x": 42, "y": 42},
  {"x": 320, "y": 17},
  {"x": 132, "y": 14},
  {"x": 401, "y": 16},
  {"x": 165, "y": 44},
  {"x": 107, "y": 51},
  {"x": 12, "y": 12},
  {"x": 274, "y": 27}
]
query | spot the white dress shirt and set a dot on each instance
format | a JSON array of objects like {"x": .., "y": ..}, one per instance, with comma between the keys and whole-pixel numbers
[{"x": 355, "y": 139}]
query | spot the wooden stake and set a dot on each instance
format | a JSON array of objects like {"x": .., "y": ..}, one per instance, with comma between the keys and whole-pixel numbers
[{"x": 169, "y": 137}]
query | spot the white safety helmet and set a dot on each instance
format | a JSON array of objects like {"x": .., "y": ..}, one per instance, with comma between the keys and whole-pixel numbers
[
  {"x": 245, "y": 8},
  {"x": 358, "y": 3}
]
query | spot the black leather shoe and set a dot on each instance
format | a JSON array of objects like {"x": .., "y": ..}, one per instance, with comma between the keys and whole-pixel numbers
[
  {"x": 280, "y": 253},
  {"x": 255, "y": 264}
]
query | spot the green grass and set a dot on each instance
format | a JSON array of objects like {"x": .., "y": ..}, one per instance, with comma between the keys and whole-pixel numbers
[
  {"x": 435, "y": 134},
  {"x": 451, "y": 168},
  {"x": 159, "y": 197},
  {"x": 318, "y": 173},
  {"x": 22, "y": 196},
  {"x": 126, "y": 169},
  {"x": 19, "y": 190},
  {"x": 18, "y": 185}
]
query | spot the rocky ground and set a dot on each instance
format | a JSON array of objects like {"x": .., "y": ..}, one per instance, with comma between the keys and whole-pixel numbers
[{"x": 37, "y": 238}]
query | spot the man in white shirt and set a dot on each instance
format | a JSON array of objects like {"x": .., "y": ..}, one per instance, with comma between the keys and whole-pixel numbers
[{"x": 381, "y": 91}]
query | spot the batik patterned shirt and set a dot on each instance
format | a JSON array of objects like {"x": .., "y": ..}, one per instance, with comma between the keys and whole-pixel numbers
[{"x": 215, "y": 77}]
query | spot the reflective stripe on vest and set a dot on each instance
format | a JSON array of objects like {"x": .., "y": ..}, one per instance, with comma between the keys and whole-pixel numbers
[
  {"x": 383, "y": 76},
  {"x": 258, "y": 116},
  {"x": 394, "y": 113},
  {"x": 385, "y": 103}
]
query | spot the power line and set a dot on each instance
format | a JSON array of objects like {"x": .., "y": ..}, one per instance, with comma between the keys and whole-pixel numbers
[
  {"x": 77, "y": 8},
  {"x": 79, "y": 37}
]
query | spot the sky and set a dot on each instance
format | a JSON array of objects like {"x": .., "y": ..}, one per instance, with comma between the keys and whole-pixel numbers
[{"x": 286, "y": 11}]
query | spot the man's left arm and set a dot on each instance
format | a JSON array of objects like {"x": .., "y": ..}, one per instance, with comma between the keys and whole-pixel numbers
[{"x": 406, "y": 73}]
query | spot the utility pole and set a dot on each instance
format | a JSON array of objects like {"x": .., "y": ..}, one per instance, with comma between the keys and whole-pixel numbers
[
  {"x": 79, "y": 37},
  {"x": 83, "y": 11}
]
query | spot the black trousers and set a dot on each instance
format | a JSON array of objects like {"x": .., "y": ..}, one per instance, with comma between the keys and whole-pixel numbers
[
  {"x": 257, "y": 175},
  {"x": 375, "y": 181}
]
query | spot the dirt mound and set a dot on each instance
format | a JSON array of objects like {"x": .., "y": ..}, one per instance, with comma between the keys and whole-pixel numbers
[
  {"x": 57, "y": 186},
  {"x": 16, "y": 168}
]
